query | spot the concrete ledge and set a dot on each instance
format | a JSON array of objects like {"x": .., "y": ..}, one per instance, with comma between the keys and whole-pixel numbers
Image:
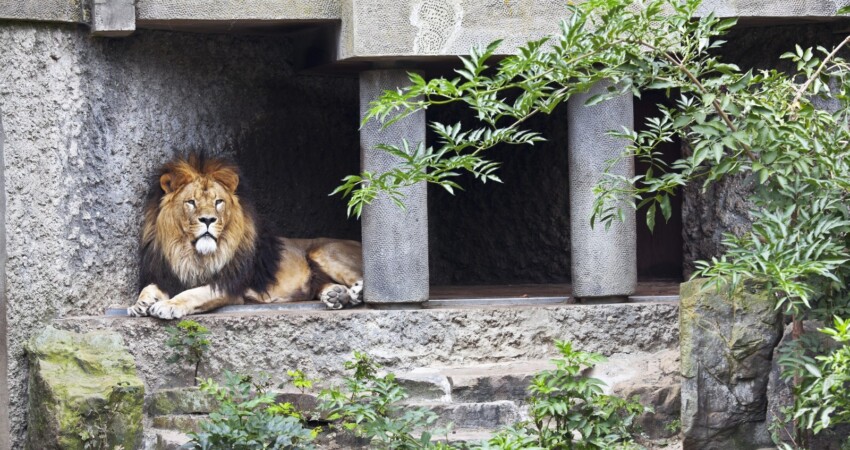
[
  {"x": 228, "y": 10},
  {"x": 44, "y": 10},
  {"x": 319, "y": 341}
]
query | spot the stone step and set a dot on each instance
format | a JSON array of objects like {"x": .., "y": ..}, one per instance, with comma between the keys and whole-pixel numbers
[
  {"x": 475, "y": 415},
  {"x": 183, "y": 423},
  {"x": 157, "y": 439},
  {"x": 470, "y": 436},
  {"x": 472, "y": 384},
  {"x": 190, "y": 400}
]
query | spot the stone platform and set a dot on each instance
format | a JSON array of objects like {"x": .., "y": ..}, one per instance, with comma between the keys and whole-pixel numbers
[{"x": 470, "y": 364}]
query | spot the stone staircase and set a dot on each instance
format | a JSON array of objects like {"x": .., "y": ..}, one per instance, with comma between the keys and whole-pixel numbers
[{"x": 476, "y": 400}]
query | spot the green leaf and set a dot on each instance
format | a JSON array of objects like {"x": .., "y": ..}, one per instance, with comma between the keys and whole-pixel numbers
[{"x": 650, "y": 217}]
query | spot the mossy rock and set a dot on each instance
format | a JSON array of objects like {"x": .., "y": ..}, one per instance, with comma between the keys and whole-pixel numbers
[
  {"x": 726, "y": 340},
  {"x": 83, "y": 389}
]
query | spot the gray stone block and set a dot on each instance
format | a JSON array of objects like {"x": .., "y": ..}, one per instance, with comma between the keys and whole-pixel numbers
[
  {"x": 181, "y": 423},
  {"x": 425, "y": 386},
  {"x": 491, "y": 382},
  {"x": 181, "y": 401},
  {"x": 164, "y": 440},
  {"x": 113, "y": 18},
  {"x": 489, "y": 415},
  {"x": 395, "y": 240},
  {"x": 727, "y": 346},
  {"x": 604, "y": 262}
]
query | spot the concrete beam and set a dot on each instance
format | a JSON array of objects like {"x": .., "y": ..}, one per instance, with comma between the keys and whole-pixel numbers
[
  {"x": 44, "y": 10},
  {"x": 395, "y": 240},
  {"x": 604, "y": 261},
  {"x": 451, "y": 27},
  {"x": 181, "y": 11},
  {"x": 113, "y": 18}
]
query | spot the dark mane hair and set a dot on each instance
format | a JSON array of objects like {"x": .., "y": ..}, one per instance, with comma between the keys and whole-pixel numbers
[{"x": 253, "y": 266}]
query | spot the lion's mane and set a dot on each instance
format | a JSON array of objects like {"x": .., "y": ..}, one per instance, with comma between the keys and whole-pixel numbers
[{"x": 248, "y": 256}]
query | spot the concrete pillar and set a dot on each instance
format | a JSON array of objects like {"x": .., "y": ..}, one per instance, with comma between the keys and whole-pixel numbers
[
  {"x": 395, "y": 240},
  {"x": 604, "y": 263}
]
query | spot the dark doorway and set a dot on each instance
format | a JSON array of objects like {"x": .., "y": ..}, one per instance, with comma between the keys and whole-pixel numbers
[{"x": 659, "y": 252}]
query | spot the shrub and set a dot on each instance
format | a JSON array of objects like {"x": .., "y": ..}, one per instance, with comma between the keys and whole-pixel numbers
[
  {"x": 248, "y": 418},
  {"x": 370, "y": 406},
  {"x": 189, "y": 341},
  {"x": 570, "y": 411}
]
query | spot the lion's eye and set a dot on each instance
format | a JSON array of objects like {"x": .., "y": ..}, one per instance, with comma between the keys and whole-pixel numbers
[
  {"x": 191, "y": 203},
  {"x": 219, "y": 202}
]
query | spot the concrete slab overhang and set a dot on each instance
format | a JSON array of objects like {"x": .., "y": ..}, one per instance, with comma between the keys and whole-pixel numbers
[{"x": 377, "y": 30}]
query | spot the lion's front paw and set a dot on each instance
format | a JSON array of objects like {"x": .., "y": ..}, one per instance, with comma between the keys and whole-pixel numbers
[
  {"x": 335, "y": 296},
  {"x": 150, "y": 295},
  {"x": 356, "y": 293},
  {"x": 169, "y": 309}
]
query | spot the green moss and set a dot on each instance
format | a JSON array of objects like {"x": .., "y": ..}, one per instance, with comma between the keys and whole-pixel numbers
[{"x": 83, "y": 388}]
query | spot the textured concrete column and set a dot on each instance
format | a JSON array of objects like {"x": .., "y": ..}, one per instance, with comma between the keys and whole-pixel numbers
[
  {"x": 604, "y": 263},
  {"x": 395, "y": 240}
]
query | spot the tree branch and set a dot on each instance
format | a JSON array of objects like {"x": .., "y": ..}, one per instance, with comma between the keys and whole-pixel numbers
[{"x": 795, "y": 104}]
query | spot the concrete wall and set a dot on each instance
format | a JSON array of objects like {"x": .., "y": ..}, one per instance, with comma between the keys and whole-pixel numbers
[
  {"x": 87, "y": 122},
  {"x": 5, "y": 440}
]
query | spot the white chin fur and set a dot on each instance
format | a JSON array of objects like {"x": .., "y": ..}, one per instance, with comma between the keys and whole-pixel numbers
[{"x": 205, "y": 245}]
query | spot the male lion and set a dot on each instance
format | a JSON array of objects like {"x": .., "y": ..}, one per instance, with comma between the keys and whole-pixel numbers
[{"x": 203, "y": 247}]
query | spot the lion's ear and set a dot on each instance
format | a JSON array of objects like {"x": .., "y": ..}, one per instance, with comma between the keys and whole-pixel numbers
[
  {"x": 165, "y": 183},
  {"x": 175, "y": 179},
  {"x": 227, "y": 177}
]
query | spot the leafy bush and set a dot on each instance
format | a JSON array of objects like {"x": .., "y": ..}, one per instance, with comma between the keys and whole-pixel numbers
[
  {"x": 190, "y": 341},
  {"x": 248, "y": 418},
  {"x": 570, "y": 411},
  {"x": 821, "y": 398},
  {"x": 369, "y": 405}
]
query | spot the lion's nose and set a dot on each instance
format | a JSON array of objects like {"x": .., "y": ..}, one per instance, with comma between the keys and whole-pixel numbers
[{"x": 206, "y": 220}]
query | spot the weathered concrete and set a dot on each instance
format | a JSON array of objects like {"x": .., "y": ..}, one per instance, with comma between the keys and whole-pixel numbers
[
  {"x": 83, "y": 392},
  {"x": 113, "y": 18},
  {"x": 395, "y": 240},
  {"x": 772, "y": 8},
  {"x": 5, "y": 439},
  {"x": 727, "y": 344},
  {"x": 45, "y": 10},
  {"x": 87, "y": 122},
  {"x": 181, "y": 11},
  {"x": 604, "y": 261}
]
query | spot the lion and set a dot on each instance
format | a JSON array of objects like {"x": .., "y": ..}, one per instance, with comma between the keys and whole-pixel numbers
[{"x": 203, "y": 246}]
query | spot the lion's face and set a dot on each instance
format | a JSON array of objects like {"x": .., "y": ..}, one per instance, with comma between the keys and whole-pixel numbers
[
  {"x": 200, "y": 223},
  {"x": 204, "y": 214}
]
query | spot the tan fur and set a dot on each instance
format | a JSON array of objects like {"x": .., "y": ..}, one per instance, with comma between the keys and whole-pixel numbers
[{"x": 198, "y": 201}]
